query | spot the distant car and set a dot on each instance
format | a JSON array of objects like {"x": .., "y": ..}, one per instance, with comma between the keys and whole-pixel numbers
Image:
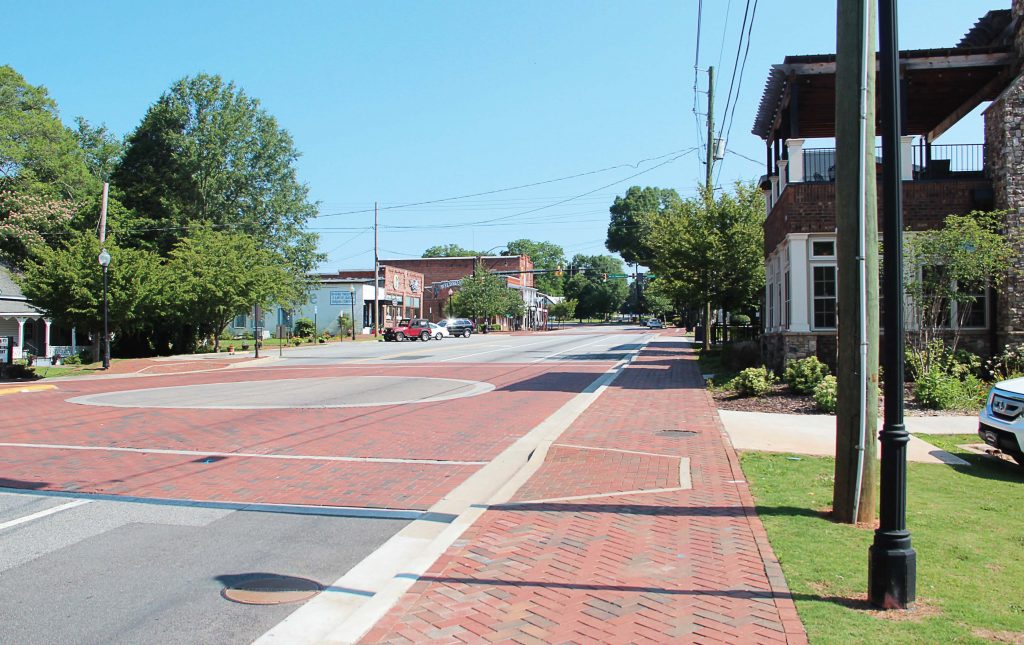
[
  {"x": 411, "y": 328},
  {"x": 459, "y": 326},
  {"x": 654, "y": 323},
  {"x": 1001, "y": 422},
  {"x": 439, "y": 331}
]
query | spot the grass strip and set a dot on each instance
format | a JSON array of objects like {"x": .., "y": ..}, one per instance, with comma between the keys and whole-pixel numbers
[{"x": 966, "y": 525}]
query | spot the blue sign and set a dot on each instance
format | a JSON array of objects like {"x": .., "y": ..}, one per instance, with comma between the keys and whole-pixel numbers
[{"x": 341, "y": 297}]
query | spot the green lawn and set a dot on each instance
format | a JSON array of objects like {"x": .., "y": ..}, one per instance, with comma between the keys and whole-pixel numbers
[{"x": 967, "y": 527}]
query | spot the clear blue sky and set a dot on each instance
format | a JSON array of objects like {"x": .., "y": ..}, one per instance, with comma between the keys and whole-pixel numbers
[{"x": 411, "y": 101}]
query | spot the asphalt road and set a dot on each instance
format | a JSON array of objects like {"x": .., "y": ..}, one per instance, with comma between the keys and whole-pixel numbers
[{"x": 148, "y": 564}]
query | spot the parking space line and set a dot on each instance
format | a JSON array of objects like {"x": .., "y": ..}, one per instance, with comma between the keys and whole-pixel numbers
[
  {"x": 252, "y": 455},
  {"x": 44, "y": 513}
]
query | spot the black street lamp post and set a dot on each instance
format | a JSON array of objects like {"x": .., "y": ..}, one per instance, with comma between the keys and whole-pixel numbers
[
  {"x": 352, "y": 298},
  {"x": 104, "y": 260},
  {"x": 892, "y": 561},
  {"x": 450, "y": 314}
]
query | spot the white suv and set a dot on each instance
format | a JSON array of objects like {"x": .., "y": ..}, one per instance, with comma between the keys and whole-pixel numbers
[{"x": 1001, "y": 423}]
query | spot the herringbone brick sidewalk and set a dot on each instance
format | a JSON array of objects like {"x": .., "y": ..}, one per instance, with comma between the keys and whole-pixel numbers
[{"x": 617, "y": 551}]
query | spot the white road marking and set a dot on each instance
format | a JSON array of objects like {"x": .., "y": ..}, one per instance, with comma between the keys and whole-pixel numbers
[
  {"x": 491, "y": 351},
  {"x": 253, "y": 455},
  {"x": 41, "y": 514}
]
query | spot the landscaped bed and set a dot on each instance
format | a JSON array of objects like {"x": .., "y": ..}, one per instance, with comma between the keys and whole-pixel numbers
[{"x": 967, "y": 531}]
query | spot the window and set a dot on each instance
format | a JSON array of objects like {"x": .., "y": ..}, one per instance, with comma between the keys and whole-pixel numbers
[
  {"x": 823, "y": 248},
  {"x": 239, "y": 321},
  {"x": 770, "y": 318},
  {"x": 972, "y": 314},
  {"x": 824, "y": 297}
]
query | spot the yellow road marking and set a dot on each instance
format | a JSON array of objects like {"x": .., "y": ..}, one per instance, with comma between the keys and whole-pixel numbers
[{"x": 26, "y": 388}]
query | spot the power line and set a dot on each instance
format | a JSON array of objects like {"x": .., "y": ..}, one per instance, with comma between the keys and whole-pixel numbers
[
  {"x": 739, "y": 85},
  {"x": 503, "y": 190},
  {"x": 735, "y": 66}
]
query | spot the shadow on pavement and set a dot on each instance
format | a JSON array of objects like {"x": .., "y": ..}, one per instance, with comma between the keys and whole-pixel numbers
[
  {"x": 641, "y": 509},
  {"x": 18, "y": 483}
]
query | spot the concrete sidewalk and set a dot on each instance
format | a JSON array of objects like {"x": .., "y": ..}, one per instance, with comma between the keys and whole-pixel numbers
[
  {"x": 815, "y": 434},
  {"x": 637, "y": 528}
]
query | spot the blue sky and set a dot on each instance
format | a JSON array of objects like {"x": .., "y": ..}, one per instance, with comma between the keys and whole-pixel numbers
[{"x": 402, "y": 102}]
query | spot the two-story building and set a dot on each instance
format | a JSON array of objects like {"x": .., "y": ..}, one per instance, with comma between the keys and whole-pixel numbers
[{"x": 796, "y": 119}]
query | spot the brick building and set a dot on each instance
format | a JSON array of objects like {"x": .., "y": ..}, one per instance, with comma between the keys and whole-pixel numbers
[
  {"x": 444, "y": 275},
  {"x": 939, "y": 87}
]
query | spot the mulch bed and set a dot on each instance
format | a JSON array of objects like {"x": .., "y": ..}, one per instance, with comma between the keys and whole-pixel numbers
[{"x": 781, "y": 401}]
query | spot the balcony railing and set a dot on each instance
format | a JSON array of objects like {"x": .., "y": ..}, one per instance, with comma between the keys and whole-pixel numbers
[{"x": 938, "y": 161}]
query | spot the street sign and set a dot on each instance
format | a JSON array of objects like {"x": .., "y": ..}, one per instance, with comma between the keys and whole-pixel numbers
[{"x": 617, "y": 275}]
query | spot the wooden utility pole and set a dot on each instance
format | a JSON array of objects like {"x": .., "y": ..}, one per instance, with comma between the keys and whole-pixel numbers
[
  {"x": 709, "y": 197},
  {"x": 854, "y": 498},
  {"x": 376, "y": 274}
]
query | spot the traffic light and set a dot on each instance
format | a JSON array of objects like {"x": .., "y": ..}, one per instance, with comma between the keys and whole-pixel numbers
[
  {"x": 558, "y": 271},
  {"x": 604, "y": 277}
]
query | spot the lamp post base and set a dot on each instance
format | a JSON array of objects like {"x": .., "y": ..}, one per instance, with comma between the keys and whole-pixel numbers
[{"x": 892, "y": 571}]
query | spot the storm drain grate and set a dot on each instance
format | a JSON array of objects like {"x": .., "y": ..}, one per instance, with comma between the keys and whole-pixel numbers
[
  {"x": 675, "y": 433},
  {"x": 272, "y": 590}
]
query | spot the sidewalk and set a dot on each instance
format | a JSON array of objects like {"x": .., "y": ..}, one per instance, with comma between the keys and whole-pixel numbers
[{"x": 637, "y": 528}]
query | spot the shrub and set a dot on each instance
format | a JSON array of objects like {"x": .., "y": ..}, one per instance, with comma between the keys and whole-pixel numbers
[
  {"x": 304, "y": 327},
  {"x": 225, "y": 334},
  {"x": 935, "y": 355},
  {"x": 247, "y": 335},
  {"x": 1009, "y": 364},
  {"x": 826, "y": 393},
  {"x": 804, "y": 375},
  {"x": 18, "y": 371},
  {"x": 72, "y": 360},
  {"x": 741, "y": 320},
  {"x": 321, "y": 340},
  {"x": 753, "y": 381},
  {"x": 85, "y": 355},
  {"x": 495, "y": 327},
  {"x": 296, "y": 341},
  {"x": 938, "y": 390},
  {"x": 741, "y": 354}
]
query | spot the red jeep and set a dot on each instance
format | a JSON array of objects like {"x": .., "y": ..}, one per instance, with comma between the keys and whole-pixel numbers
[{"x": 411, "y": 328}]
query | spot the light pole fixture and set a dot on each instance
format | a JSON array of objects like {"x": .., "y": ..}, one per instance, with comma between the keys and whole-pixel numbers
[
  {"x": 352, "y": 298},
  {"x": 104, "y": 260},
  {"x": 450, "y": 313},
  {"x": 892, "y": 561}
]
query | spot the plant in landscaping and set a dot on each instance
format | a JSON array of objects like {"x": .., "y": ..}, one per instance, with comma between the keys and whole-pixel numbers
[
  {"x": 304, "y": 327},
  {"x": 938, "y": 390},
  {"x": 753, "y": 381},
  {"x": 804, "y": 375},
  {"x": 1009, "y": 364},
  {"x": 826, "y": 393}
]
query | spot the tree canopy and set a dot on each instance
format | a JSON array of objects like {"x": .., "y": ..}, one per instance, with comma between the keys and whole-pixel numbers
[
  {"x": 545, "y": 256},
  {"x": 449, "y": 251},
  {"x": 484, "y": 295},
  {"x": 631, "y": 216},
  {"x": 595, "y": 295},
  {"x": 206, "y": 152}
]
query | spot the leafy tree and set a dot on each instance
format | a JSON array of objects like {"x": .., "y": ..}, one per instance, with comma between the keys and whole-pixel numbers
[
  {"x": 67, "y": 283},
  {"x": 545, "y": 256},
  {"x": 711, "y": 251},
  {"x": 565, "y": 310},
  {"x": 25, "y": 221},
  {"x": 38, "y": 155},
  {"x": 630, "y": 217},
  {"x": 101, "y": 148},
  {"x": 219, "y": 275},
  {"x": 206, "y": 152},
  {"x": 483, "y": 295},
  {"x": 596, "y": 297},
  {"x": 449, "y": 251},
  {"x": 653, "y": 300},
  {"x": 953, "y": 265}
]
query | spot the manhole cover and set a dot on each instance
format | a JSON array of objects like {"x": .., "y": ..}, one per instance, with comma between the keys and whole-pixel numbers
[
  {"x": 272, "y": 590},
  {"x": 675, "y": 433}
]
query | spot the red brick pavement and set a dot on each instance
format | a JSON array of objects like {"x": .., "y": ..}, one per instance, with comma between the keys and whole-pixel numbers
[
  {"x": 470, "y": 429},
  {"x": 673, "y": 566}
]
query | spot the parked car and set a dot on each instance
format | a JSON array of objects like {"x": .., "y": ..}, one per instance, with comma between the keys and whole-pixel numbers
[
  {"x": 439, "y": 331},
  {"x": 411, "y": 328},
  {"x": 459, "y": 326},
  {"x": 1001, "y": 422},
  {"x": 654, "y": 323}
]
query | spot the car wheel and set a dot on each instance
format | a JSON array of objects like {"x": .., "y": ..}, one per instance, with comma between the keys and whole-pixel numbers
[
  {"x": 399, "y": 336},
  {"x": 425, "y": 336},
  {"x": 468, "y": 333},
  {"x": 438, "y": 336}
]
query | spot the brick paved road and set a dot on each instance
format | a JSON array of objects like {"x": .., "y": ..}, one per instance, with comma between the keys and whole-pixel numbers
[
  {"x": 684, "y": 565},
  {"x": 464, "y": 430}
]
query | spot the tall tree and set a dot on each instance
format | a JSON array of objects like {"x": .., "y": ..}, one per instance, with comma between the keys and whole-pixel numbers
[
  {"x": 596, "y": 295},
  {"x": 449, "y": 251},
  {"x": 219, "y": 275},
  {"x": 630, "y": 217},
  {"x": 38, "y": 155},
  {"x": 546, "y": 256},
  {"x": 101, "y": 148},
  {"x": 206, "y": 152},
  {"x": 481, "y": 295}
]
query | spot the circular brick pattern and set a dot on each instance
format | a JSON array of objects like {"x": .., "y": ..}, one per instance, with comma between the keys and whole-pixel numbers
[{"x": 327, "y": 392}]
